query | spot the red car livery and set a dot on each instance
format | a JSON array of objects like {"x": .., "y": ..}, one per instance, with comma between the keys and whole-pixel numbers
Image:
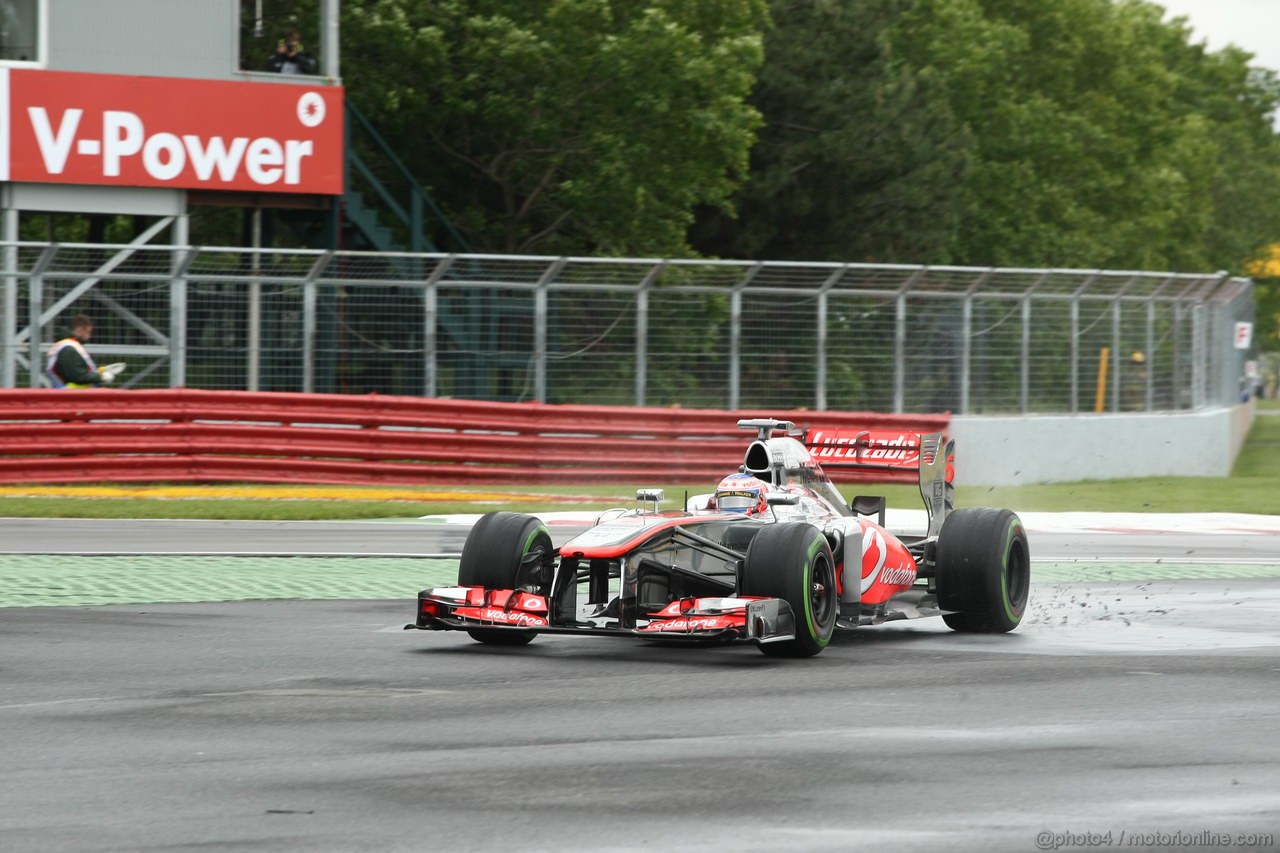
[{"x": 784, "y": 575}]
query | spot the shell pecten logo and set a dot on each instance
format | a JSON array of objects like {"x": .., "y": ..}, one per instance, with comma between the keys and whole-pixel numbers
[{"x": 311, "y": 109}]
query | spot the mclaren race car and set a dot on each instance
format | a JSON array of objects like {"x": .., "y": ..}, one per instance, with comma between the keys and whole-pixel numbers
[{"x": 774, "y": 557}]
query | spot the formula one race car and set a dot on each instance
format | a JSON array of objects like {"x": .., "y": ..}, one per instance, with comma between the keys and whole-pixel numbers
[{"x": 774, "y": 557}]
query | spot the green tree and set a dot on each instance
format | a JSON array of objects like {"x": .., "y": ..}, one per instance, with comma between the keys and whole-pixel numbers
[
  {"x": 1232, "y": 104},
  {"x": 860, "y": 157},
  {"x": 563, "y": 126},
  {"x": 1101, "y": 136}
]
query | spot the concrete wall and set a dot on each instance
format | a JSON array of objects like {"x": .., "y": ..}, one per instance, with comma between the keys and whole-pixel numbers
[
  {"x": 997, "y": 451},
  {"x": 160, "y": 38}
]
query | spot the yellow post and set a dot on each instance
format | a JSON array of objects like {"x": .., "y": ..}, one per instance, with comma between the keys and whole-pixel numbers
[{"x": 1099, "y": 402}]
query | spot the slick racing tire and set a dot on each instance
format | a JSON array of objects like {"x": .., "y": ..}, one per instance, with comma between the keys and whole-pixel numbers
[
  {"x": 984, "y": 570},
  {"x": 492, "y": 557},
  {"x": 793, "y": 562}
]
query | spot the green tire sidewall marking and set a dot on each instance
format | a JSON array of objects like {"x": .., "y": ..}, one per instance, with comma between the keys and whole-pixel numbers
[
  {"x": 814, "y": 548},
  {"x": 1013, "y": 614},
  {"x": 528, "y": 543}
]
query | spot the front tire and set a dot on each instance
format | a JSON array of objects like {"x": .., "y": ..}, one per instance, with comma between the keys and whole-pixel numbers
[
  {"x": 793, "y": 562},
  {"x": 500, "y": 552},
  {"x": 984, "y": 570}
]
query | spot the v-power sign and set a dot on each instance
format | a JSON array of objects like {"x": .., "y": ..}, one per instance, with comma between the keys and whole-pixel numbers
[{"x": 100, "y": 129}]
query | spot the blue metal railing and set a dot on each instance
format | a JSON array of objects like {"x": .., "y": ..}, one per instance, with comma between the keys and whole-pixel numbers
[{"x": 385, "y": 201}]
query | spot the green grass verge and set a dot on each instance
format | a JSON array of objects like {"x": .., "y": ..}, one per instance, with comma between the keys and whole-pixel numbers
[{"x": 1254, "y": 487}]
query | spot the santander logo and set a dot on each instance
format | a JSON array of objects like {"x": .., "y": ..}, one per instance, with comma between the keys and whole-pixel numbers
[{"x": 67, "y": 127}]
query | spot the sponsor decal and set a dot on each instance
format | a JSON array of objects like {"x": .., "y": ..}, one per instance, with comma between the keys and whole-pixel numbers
[
  {"x": 505, "y": 617},
  {"x": 706, "y": 605},
  {"x": 1244, "y": 335},
  {"x": 103, "y": 129},
  {"x": 898, "y": 577},
  {"x": 874, "y": 555},
  {"x": 694, "y": 623},
  {"x": 861, "y": 446},
  {"x": 531, "y": 602}
]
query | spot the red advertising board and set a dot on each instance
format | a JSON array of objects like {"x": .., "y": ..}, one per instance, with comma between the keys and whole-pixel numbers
[{"x": 102, "y": 129}]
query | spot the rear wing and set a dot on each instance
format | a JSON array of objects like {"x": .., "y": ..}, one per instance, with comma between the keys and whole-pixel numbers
[{"x": 930, "y": 454}]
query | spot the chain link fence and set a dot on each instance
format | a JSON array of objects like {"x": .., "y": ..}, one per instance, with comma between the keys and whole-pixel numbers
[{"x": 707, "y": 334}]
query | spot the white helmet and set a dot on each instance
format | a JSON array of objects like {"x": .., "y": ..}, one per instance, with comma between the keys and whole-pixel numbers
[{"x": 741, "y": 493}]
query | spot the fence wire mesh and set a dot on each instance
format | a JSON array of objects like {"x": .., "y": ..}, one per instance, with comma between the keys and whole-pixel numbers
[{"x": 654, "y": 332}]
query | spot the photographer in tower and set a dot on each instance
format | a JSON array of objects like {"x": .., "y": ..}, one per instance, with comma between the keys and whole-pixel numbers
[{"x": 290, "y": 58}]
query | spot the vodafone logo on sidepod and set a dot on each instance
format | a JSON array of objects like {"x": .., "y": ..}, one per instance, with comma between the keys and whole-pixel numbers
[{"x": 151, "y": 131}]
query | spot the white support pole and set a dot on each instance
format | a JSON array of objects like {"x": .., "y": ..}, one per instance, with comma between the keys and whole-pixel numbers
[
  {"x": 329, "y": 46},
  {"x": 180, "y": 238},
  {"x": 899, "y": 353},
  {"x": 9, "y": 309},
  {"x": 310, "y": 296},
  {"x": 35, "y": 300},
  {"x": 430, "y": 326},
  {"x": 253, "y": 355}
]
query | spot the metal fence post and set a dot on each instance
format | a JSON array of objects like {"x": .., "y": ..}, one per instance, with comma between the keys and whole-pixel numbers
[
  {"x": 430, "y": 323},
  {"x": 735, "y": 335},
  {"x": 1177, "y": 372},
  {"x": 1024, "y": 374},
  {"x": 9, "y": 304},
  {"x": 642, "y": 331},
  {"x": 1024, "y": 378},
  {"x": 820, "y": 380},
  {"x": 820, "y": 368},
  {"x": 966, "y": 349},
  {"x": 35, "y": 297},
  {"x": 1114, "y": 376},
  {"x": 1075, "y": 353},
  {"x": 540, "y": 329},
  {"x": 253, "y": 356},
  {"x": 183, "y": 255},
  {"x": 309, "y": 300},
  {"x": 900, "y": 353},
  {"x": 735, "y": 347},
  {"x": 1151, "y": 354},
  {"x": 1200, "y": 366}
]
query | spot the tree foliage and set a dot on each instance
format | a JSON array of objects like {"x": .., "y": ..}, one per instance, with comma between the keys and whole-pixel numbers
[
  {"x": 861, "y": 155},
  {"x": 1077, "y": 133},
  {"x": 568, "y": 125},
  {"x": 1109, "y": 140}
]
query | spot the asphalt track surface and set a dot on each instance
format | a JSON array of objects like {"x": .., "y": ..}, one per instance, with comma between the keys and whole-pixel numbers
[{"x": 1148, "y": 706}]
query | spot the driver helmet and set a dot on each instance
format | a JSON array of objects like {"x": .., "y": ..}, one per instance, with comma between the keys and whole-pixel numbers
[{"x": 741, "y": 493}]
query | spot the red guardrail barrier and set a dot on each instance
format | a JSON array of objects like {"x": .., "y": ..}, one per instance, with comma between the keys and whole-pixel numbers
[{"x": 49, "y": 436}]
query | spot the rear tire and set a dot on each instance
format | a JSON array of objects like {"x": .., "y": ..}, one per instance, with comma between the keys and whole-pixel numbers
[
  {"x": 793, "y": 562},
  {"x": 984, "y": 570},
  {"x": 497, "y": 548}
]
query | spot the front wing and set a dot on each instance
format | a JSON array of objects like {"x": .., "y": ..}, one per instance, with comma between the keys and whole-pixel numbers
[{"x": 722, "y": 619}]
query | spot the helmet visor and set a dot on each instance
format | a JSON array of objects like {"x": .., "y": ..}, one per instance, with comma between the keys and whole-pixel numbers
[{"x": 737, "y": 501}]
